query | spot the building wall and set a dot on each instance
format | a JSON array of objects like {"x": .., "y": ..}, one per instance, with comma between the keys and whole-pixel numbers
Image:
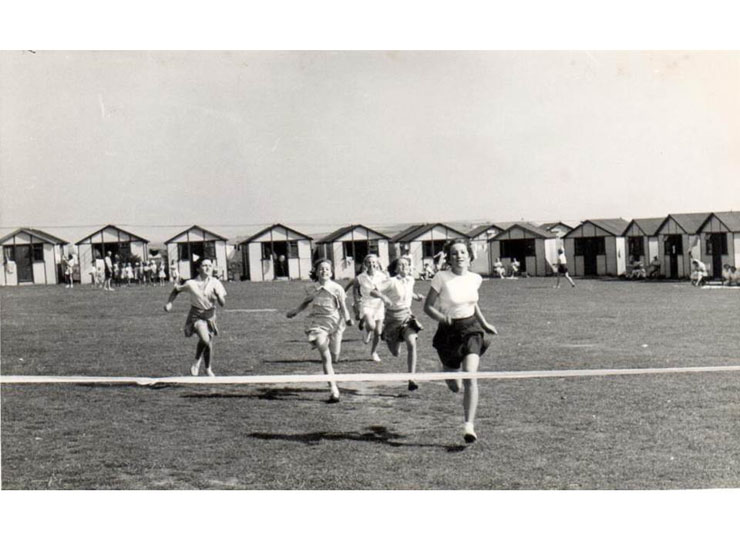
[
  {"x": 481, "y": 264},
  {"x": 44, "y": 273}
]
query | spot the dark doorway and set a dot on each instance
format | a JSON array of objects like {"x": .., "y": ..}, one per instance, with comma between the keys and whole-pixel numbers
[
  {"x": 673, "y": 249},
  {"x": 358, "y": 250},
  {"x": 717, "y": 246},
  {"x": 590, "y": 248},
  {"x": 24, "y": 263},
  {"x": 519, "y": 249},
  {"x": 280, "y": 259}
]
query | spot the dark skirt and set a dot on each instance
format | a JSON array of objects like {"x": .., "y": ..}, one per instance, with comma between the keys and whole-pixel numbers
[
  {"x": 195, "y": 314},
  {"x": 463, "y": 337}
]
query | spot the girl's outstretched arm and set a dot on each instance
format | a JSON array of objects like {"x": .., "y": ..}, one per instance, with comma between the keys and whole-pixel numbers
[{"x": 300, "y": 308}]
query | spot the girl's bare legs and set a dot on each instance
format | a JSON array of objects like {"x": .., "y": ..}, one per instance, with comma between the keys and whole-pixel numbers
[
  {"x": 377, "y": 331},
  {"x": 470, "y": 396},
  {"x": 204, "y": 349},
  {"x": 410, "y": 338},
  {"x": 453, "y": 385},
  {"x": 335, "y": 345},
  {"x": 567, "y": 276},
  {"x": 322, "y": 344}
]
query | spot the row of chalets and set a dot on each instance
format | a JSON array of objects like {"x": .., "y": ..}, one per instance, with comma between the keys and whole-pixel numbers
[{"x": 598, "y": 247}]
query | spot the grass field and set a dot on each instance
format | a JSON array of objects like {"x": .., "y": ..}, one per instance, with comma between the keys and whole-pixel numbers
[{"x": 629, "y": 432}]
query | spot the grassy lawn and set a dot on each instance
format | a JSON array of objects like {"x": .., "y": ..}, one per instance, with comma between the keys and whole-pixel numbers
[{"x": 675, "y": 431}]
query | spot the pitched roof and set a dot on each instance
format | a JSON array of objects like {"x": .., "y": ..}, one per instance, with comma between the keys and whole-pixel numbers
[
  {"x": 649, "y": 226},
  {"x": 415, "y": 231},
  {"x": 549, "y": 225},
  {"x": 114, "y": 227},
  {"x": 270, "y": 228},
  {"x": 690, "y": 223},
  {"x": 191, "y": 228},
  {"x": 42, "y": 235},
  {"x": 473, "y": 233},
  {"x": 613, "y": 226},
  {"x": 532, "y": 228},
  {"x": 334, "y": 235},
  {"x": 730, "y": 219}
]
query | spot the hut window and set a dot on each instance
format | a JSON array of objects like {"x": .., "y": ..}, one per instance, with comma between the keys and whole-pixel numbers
[
  {"x": 38, "y": 252},
  {"x": 432, "y": 248},
  {"x": 209, "y": 249},
  {"x": 124, "y": 251},
  {"x": 292, "y": 249},
  {"x": 636, "y": 246},
  {"x": 372, "y": 247},
  {"x": 266, "y": 251},
  {"x": 9, "y": 253},
  {"x": 722, "y": 243},
  {"x": 182, "y": 252}
]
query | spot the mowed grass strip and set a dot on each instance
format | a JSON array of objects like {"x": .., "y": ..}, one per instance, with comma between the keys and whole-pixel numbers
[{"x": 623, "y": 432}]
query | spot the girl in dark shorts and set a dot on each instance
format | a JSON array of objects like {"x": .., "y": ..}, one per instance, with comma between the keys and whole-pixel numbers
[{"x": 460, "y": 339}]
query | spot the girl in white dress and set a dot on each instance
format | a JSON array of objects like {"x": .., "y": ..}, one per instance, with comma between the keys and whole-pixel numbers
[
  {"x": 327, "y": 319},
  {"x": 371, "y": 308}
]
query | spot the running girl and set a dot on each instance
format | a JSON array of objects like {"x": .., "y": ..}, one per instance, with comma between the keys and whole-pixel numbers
[
  {"x": 371, "y": 309},
  {"x": 562, "y": 269},
  {"x": 400, "y": 325},
  {"x": 205, "y": 290},
  {"x": 459, "y": 340},
  {"x": 327, "y": 319}
]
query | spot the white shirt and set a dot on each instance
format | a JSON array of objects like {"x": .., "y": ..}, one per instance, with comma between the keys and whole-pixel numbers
[
  {"x": 458, "y": 295},
  {"x": 399, "y": 290},
  {"x": 326, "y": 299},
  {"x": 200, "y": 291},
  {"x": 561, "y": 258},
  {"x": 367, "y": 283}
]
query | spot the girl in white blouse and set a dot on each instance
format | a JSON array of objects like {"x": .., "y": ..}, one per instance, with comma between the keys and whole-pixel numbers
[{"x": 453, "y": 301}]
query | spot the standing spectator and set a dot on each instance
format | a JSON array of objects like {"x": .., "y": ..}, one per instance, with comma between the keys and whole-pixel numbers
[{"x": 108, "y": 272}]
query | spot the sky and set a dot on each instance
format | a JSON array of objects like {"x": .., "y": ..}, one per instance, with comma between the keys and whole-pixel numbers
[{"x": 156, "y": 141}]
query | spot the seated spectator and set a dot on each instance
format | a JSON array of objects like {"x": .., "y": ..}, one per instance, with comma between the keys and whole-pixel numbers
[
  {"x": 637, "y": 269},
  {"x": 498, "y": 269},
  {"x": 654, "y": 268},
  {"x": 514, "y": 268},
  {"x": 699, "y": 272}
]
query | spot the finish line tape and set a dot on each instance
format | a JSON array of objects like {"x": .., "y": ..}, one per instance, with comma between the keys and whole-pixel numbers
[{"x": 322, "y": 378}]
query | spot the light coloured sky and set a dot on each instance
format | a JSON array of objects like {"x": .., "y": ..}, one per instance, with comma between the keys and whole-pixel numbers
[{"x": 235, "y": 140}]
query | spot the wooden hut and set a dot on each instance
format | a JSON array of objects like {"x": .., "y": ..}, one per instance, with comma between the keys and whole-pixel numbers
[
  {"x": 479, "y": 238},
  {"x": 111, "y": 239},
  {"x": 641, "y": 239},
  {"x": 596, "y": 248},
  {"x": 31, "y": 256},
  {"x": 348, "y": 246},
  {"x": 678, "y": 240},
  {"x": 424, "y": 243},
  {"x": 720, "y": 241},
  {"x": 533, "y": 247},
  {"x": 193, "y": 244},
  {"x": 276, "y": 252}
]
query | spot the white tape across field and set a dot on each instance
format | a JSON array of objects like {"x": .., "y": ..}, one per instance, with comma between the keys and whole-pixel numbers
[{"x": 365, "y": 377}]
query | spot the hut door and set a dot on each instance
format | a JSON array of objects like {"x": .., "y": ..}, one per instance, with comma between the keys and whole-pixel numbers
[
  {"x": 197, "y": 252},
  {"x": 673, "y": 249},
  {"x": 715, "y": 248},
  {"x": 590, "y": 247},
  {"x": 24, "y": 263},
  {"x": 280, "y": 259}
]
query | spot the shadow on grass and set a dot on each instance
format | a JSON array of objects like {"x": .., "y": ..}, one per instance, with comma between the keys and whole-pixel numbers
[
  {"x": 375, "y": 434},
  {"x": 314, "y": 361},
  {"x": 266, "y": 394}
]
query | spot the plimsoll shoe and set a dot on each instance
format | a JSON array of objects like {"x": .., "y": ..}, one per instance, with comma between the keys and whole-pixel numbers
[
  {"x": 195, "y": 368},
  {"x": 210, "y": 372},
  {"x": 469, "y": 436},
  {"x": 375, "y": 357},
  {"x": 334, "y": 398},
  {"x": 413, "y": 386}
]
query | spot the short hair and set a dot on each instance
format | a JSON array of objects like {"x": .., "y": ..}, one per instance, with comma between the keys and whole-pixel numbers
[
  {"x": 314, "y": 274},
  {"x": 369, "y": 257},
  {"x": 459, "y": 241},
  {"x": 393, "y": 266}
]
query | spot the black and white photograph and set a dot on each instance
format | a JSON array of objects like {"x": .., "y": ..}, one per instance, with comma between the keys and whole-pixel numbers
[{"x": 346, "y": 270}]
